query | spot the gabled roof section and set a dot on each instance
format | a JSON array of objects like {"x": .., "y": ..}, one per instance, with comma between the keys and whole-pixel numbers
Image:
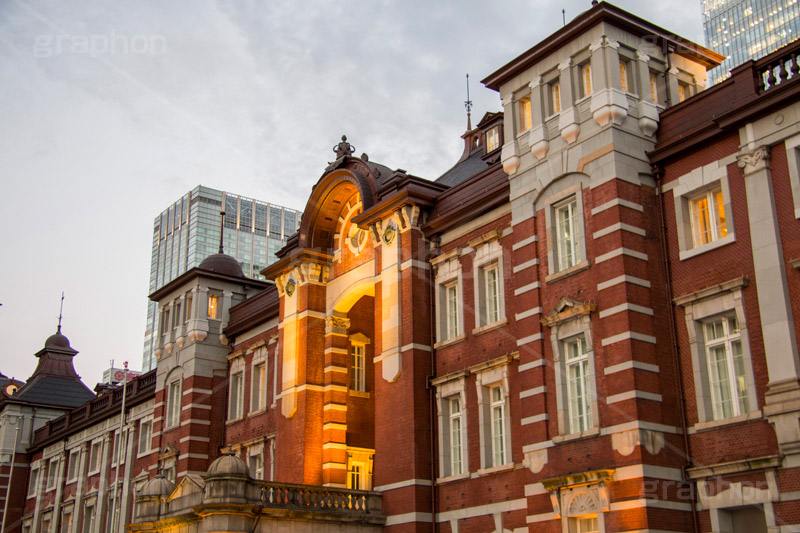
[{"x": 602, "y": 12}]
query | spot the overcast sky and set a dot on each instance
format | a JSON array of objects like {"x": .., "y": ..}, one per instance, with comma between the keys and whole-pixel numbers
[{"x": 109, "y": 111}]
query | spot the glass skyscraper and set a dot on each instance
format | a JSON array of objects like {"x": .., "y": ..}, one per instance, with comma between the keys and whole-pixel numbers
[
  {"x": 188, "y": 231},
  {"x": 747, "y": 29}
]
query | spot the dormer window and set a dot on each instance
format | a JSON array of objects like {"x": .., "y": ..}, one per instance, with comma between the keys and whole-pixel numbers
[{"x": 493, "y": 136}]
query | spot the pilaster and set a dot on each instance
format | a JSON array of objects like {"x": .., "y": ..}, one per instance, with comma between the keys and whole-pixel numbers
[{"x": 568, "y": 121}]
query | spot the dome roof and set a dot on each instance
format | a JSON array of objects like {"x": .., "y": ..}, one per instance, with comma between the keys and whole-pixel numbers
[
  {"x": 228, "y": 464},
  {"x": 222, "y": 264},
  {"x": 158, "y": 486},
  {"x": 57, "y": 340}
]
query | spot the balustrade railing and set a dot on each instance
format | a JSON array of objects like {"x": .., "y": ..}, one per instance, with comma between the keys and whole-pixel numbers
[
  {"x": 313, "y": 498},
  {"x": 779, "y": 68}
]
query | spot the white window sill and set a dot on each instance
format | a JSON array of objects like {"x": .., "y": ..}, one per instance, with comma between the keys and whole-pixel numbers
[
  {"x": 713, "y": 424},
  {"x": 595, "y": 431},
  {"x": 567, "y": 272},
  {"x": 494, "y": 469},
  {"x": 448, "y": 479},
  {"x": 449, "y": 342},
  {"x": 234, "y": 420},
  {"x": 93, "y": 473},
  {"x": 144, "y": 454},
  {"x": 489, "y": 327},
  {"x": 686, "y": 254},
  {"x": 358, "y": 393},
  {"x": 256, "y": 412}
]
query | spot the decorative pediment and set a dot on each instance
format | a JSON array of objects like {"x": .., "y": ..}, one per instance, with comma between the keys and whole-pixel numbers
[
  {"x": 189, "y": 484},
  {"x": 567, "y": 309}
]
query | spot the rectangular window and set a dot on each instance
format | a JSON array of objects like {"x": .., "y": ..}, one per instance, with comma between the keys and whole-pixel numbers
[
  {"x": 66, "y": 522},
  {"x": 73, "y": 465},
  {"x": 356, "y": 476},
  {"x": 579, "y": 398},
  {"x": 708, "y": 217},
  {"x": 164, "y": 321},
  {"x": 451, "y": 295},
  {"x": 585, "y": 85},
  {"x": 498, "y": 414},
  {"x": 94, "y": 457},
  {"x": 568, "y": 245},
  {"x": 626, "y": 75},
  {"x": 493, "y": 135},
  {"x": 683, "y": 92},
  {"x": 358, "y": 380},
  {"x": 258, "y": 389},
  {"x": 173, "y": 404},
  {"x": 236, "y": 405},
  {"x": 213, "y": 306},
  {"x": 456, "y": 450},
  {"x": 145, "y": 436},
  {"x": 52, "y": 473},
  {"x": 188, "y": 312},
  {"x": 257, "y": 466},
  {"x": 524, "y": 110},
  {"x": 176, "y": 315},
  {"x": 726, "y": 367},
  {"x": 32, "y": 486},
  {"x": 583, "y": 525},
  {"x": 554, "y": 93},
  {"x": 88, "y": 518},
  {"x": 492, "y": 287},
  {"x": 654, "y": 87},
  {"x": 115, "y": 451}
]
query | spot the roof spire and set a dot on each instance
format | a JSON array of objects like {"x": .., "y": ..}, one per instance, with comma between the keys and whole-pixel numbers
[
  {"x": 60, "y": 311},
  {"x": 222, "y": 223},
  {"x": 468, "y": 105}
]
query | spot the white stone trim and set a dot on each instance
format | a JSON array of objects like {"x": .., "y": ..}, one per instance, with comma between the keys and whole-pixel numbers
[
  {"x": 619, "y": 367},
  {"x": 527, "y": 264},
  {"x": 531, "y": 338},
  {"x": 533, "y": 419},
  {"x": 619, "y": 226},
  {"x": 407, "y": 518},
  {"x": 528, "y": 313},
  {"x": 623, "y": 279},
  {"x": 625, "y": 335},
  {"x": 526, "y": 288},
  {"x": 625, "y": 307},
  {"x": 617, "y": 201},
  {"x": 483, "y": 510},
  {"x": 533, "y": 392},
  {"x": 618, "y": 252},
  {"x": 629, "y": 395},
  {"x": 524, "y": 242},
  {"x": 531, "y": 365},
  {"x": 402, "y": 484}
]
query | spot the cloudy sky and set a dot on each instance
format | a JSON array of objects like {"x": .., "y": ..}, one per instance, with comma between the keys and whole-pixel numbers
[{"x": 109, "y": 111}]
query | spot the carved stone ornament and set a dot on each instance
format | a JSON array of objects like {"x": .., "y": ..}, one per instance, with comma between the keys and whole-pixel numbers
[
  {"x": 338, "y": 325},
  {"x": 389, "y": 234},
  {"x": 291, "y": 285},
  {"x": 751, "y": 161}
]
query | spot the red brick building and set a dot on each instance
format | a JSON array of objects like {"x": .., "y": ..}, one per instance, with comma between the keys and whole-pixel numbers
[{"x": 587, "y": 324}]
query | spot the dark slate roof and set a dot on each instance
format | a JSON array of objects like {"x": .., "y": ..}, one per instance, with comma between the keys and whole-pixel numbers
[
  {"x": 51, "y": 390},
  {"x": 463, "y": 170}
]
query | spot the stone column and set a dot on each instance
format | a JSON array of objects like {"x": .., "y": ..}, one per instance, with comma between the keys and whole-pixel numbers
[
  {"x": 568, "y": 121},
  {"x": 672, "y": 85},
  {"x": 782, "y": 401},
  {"x": 41, "y": 482},
  {"x": 224, "y": 315},
  {"x": 538, "y": 138},
  {"x": 100, "y": 508},
  {"x": 62, "y": 463},
  {"x": 127, "y": 492},
  {"x": 334, "y": 414},
  {"x": 648, "y": 112},
  {"x": 80, "y": 489},
  {"x": 609, "y": 102},
  {"x": 509, "y": 155}
]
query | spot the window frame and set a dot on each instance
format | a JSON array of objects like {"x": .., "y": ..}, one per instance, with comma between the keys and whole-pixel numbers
[
  {"x": 449, "y": 388},
  {"x": 258, "y": 387},
  {"x": 692, "y": 185},
  {"x": 585, "y": 82},
  {"x": 52, "y": 474},
  {"x": 492, "y": 137},
  {"x": 733, "y": 374},
  {"x": 358, "y": 373},
  {"x": 524, "y": 117},
  {"x": 213, "y": 310},
  {"x": 93, "y": 469},
  {"x": 714, "y": 219},
  {"x": 570, "y": 204},
  {"x": 172, "y": 410},
  {"x": 141, "y": 452},
  {"x": 792, "y": 145},
  {"x": 571, "y": 187},
  {"x": 448, "y": 272},
  {"x": 554, "y": 103},
  {"x": 723, "y": 300},
  {"x": 256, "y": 452},
  {"x": 489, "y": 257},
  {"x": 33, "y": 480},
  {"x": 487, "y": 380},
  {"x": 581, "y": 421},
  {"x": 236, "y": 394},
  {"x": 73, "y": 465}
]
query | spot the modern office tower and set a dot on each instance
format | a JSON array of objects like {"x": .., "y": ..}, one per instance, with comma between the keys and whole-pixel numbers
[
  {"x": 188, "y": 231},
  {"x": 747, "y": 29}
]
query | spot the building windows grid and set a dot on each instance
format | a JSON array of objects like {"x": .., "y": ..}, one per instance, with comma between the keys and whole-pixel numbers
[{"x": 489, "y": 286}]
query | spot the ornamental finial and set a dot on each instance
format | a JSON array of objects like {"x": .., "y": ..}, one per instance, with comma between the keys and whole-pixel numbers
[{"x": 343, "y": 148}]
